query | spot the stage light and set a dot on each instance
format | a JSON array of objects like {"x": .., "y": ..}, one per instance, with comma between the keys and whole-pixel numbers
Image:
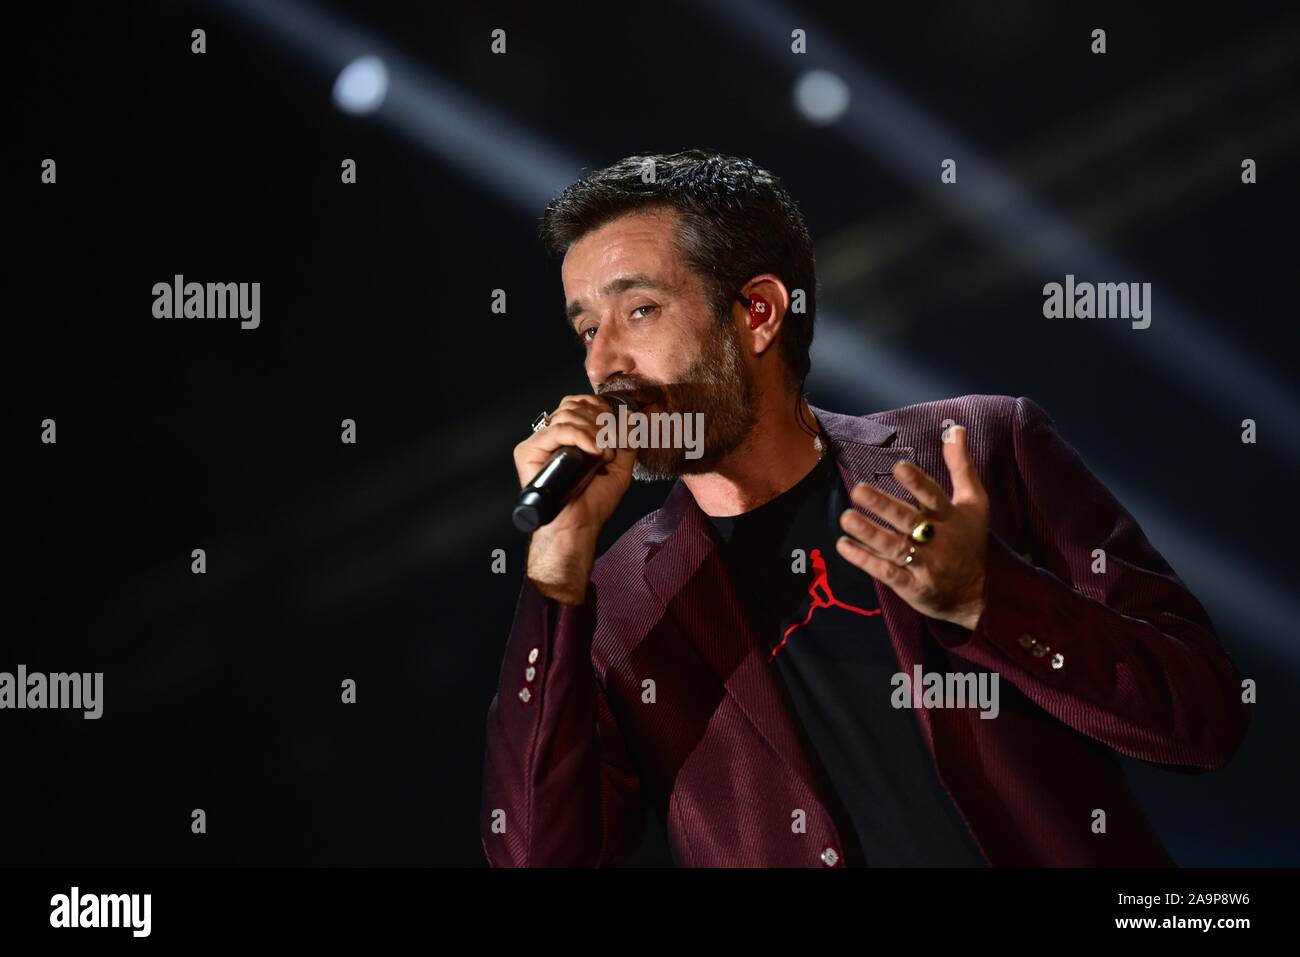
[
  {"x": 361, "y": 85},
  {"x": 821, "y": 97}
]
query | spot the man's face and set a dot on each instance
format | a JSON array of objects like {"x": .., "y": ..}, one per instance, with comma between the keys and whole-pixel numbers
[{"x": 648, "y": 328}]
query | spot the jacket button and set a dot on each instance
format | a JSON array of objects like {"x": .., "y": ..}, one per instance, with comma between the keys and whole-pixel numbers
[
  {"x": 830, "y": 856},
  {"x": 1058, "y": 661},
  {"x": 525, "y": 695},
  {"x": 1040, "y": 650},
  {"x": 532, "y": 656},
  {"x": 1026, "y": 641},
  {"x": 530, "y": 673}
]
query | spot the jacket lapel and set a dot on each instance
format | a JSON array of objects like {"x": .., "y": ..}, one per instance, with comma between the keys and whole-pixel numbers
[
  {"x": 861, "y": 460},
  {"x": 686, "y": 575},
  {"x": 865, "y": 455}
]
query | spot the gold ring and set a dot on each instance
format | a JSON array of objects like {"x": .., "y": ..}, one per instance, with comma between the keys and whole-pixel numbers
[{"x": 923, "y": 532}]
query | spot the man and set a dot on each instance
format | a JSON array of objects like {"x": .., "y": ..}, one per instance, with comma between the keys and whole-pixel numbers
[{"x": 747, "y": 661}]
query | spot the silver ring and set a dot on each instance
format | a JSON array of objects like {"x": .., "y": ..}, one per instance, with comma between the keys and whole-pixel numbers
[
  {"x": 909, "y": 557},
  {"x": 542, "y": 421}
]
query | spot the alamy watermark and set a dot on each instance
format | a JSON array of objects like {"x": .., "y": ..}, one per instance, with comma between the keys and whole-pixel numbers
[
  {"x": 950, "y": 689},
  {"x": 76, "y": 909},
  {"x": 652, "y": 430},
  {"x": 76, "y": 690},
  {"x": 179, "y": 299},
  {"x": 1103, "y": 300}
]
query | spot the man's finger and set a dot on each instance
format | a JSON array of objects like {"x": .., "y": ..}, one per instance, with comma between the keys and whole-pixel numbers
[
  {"x": 879, "y": 540},
  {"x": 966, "y": 484},
  {"x": 895, "y": 576},
  {"x": 925, "y": 489},
  {"x": 893, "y": 510}
]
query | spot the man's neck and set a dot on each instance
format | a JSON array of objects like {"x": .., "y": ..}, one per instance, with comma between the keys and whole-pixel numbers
[{"x": 771, "y": 460}]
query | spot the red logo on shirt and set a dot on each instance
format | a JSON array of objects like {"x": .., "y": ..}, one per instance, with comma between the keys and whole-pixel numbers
[{"x": 822, "y": 597}]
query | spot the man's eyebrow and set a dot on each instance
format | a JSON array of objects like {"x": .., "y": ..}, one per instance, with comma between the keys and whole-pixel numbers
[{"x": 613, "y": 287}]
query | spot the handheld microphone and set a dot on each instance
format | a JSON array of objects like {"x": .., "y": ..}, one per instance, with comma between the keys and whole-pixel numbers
[{"x": 565, "y": 474}]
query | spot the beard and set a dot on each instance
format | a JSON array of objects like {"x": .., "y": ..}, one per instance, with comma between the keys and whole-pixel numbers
[{"x": 717, "y": 385}]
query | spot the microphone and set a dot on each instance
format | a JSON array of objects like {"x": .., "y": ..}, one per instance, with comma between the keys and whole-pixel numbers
[{"x": 565, "y": 474}]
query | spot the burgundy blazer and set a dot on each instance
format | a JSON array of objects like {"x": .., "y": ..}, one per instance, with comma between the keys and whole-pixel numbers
[{"x": 1090, "y": 665}]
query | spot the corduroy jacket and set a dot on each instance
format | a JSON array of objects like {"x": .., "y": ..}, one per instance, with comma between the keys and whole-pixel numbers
[{"x": 1091, "y": 664}]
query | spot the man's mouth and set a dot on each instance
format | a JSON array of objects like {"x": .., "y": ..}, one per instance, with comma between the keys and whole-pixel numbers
[{"x": 644, "y": 400}]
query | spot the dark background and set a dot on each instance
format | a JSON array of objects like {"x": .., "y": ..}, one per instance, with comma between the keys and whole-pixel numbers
[{"x": 373, "y": 562}]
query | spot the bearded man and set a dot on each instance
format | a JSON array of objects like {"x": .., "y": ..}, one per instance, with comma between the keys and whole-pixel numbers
[{"x": 732, "y": 662}]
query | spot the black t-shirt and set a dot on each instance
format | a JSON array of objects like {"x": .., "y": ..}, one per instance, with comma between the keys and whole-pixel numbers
[{"x": 821, "y": 627}]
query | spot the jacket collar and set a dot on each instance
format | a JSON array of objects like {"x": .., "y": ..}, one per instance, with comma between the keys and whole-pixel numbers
[{"x": 858, "y": 442}]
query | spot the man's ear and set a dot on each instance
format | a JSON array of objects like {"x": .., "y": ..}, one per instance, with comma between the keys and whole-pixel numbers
[{"x": 768, "y": 305}]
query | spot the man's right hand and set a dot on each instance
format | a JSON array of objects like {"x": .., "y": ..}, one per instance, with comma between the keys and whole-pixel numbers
[{"x": 562, "y": 552}]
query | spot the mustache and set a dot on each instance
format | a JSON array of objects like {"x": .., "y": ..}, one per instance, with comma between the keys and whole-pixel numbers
[
  {"x": 642, "y": 393},
  {"x": 686, "y": 397}
]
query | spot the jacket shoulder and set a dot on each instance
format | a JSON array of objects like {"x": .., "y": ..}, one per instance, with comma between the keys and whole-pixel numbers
[
  {"x": 977, "y": 412},
  {"x": 996, "y": 425}
]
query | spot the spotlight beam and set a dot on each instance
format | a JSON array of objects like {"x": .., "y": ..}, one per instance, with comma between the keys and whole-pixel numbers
[{"x": 884, "y": 125}]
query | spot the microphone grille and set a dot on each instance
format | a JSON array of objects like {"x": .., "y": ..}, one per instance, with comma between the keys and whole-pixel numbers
[{"x": 616, "y": 398}]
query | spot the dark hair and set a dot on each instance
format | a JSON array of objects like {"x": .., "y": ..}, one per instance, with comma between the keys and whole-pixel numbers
[{"x": 736, "y": 221}]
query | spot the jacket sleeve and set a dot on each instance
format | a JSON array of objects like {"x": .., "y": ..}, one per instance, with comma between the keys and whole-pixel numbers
[
  {"x": 1127, "y": 656},
  {"x": 558, "y": 788}
]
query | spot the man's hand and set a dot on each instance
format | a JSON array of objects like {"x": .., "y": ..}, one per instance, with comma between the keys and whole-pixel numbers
[
  {"x": 945, "y": 579},
  {"x": 561, "y": 554}
]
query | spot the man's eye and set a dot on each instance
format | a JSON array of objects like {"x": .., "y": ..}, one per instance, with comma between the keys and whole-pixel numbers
[
  {"x": 639, "y": 308},
  {"x": 582, "y": 336}
]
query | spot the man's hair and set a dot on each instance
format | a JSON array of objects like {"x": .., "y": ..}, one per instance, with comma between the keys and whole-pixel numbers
[{"x": 736, "y": 221}]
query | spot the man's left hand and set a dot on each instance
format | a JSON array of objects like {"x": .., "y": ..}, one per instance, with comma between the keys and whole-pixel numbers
[{"x": 945, "y": 579}]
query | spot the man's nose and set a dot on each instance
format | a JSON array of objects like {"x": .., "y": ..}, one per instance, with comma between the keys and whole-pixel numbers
[{"x": 608, "y": 357}]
